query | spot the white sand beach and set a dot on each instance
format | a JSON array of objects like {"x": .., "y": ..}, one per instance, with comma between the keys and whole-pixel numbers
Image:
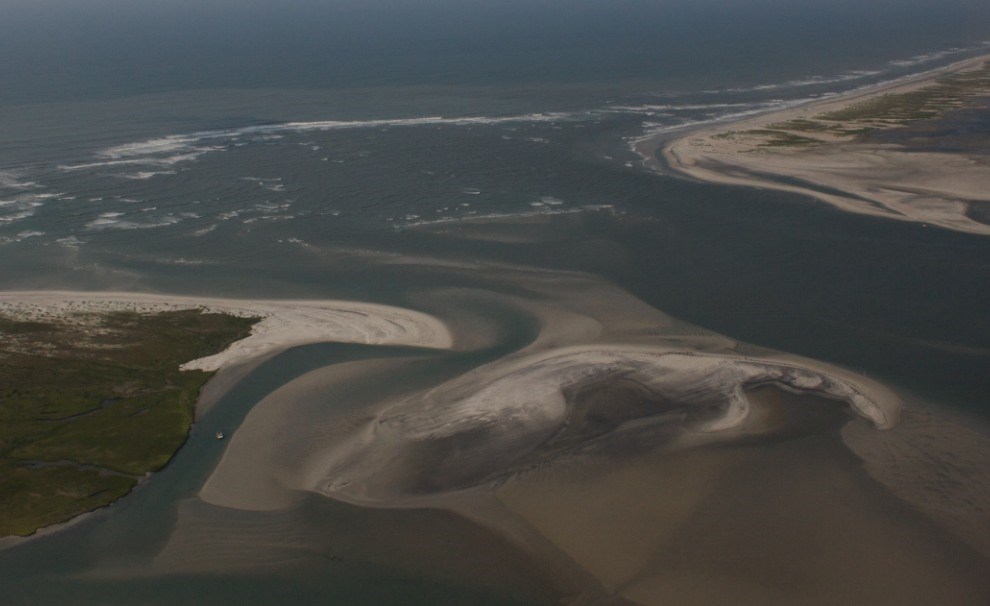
[
  {"x": 935, "y": 188},
  {"x": 284, "y": 323}
]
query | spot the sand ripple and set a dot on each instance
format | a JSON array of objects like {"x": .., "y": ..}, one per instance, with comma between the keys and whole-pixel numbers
[{"x": 463, "y": 435}]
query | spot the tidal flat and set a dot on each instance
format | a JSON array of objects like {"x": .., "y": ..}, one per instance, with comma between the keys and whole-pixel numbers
[{"x": 583, "y": 449}]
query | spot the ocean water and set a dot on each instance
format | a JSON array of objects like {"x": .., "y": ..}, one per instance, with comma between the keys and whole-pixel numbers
[{"x": 244, "y": 149}]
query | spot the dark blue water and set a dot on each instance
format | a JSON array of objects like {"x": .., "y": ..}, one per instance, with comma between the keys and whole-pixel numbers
[{"x": 58, "y": 50}]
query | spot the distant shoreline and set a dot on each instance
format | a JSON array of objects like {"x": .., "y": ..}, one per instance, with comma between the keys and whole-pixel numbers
[{"x": 932, "y": 188}]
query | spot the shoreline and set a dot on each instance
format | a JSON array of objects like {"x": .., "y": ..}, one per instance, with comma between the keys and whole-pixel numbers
[
  {"x": 284, "y": 323},
  {"x": 276, "y": 473},
  {"x": 882, "y": 180}
]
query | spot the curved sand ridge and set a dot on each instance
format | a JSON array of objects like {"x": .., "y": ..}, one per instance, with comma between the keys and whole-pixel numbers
[
  {"x": 284, "y": 324},
  {"x": 619, "y": 451},
  {"x": 467, "y": 435}
]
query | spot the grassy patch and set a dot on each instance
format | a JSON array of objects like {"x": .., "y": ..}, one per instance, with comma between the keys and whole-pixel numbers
[
  {"x": 33, "y": 498},
  {"x": 885, "y": 111},
  {"x": 778, "y": 138},
  {"x": 802, "y": 125},
  {"x": 926, "y": 103},
  {"x": 90, "y": 404},
  {"x": 769, "y": 137}
]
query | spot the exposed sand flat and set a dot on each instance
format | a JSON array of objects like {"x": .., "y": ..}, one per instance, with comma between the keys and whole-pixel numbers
[
  {"x": 270, "y": 461},
  {"x": 501, "y": 413},
  {"x": 836, "y": 166},
  {"x": 284, "y": 324},
  {"x": 640, "y": 460},
  {"x": 506, "y": 413},
  {"x": 612, "y": 453}
]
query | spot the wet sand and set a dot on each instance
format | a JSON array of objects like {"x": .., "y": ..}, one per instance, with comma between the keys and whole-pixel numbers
[
  {"x": 635, "y": 497},
  {"x": 784, "y": 517},
  {"x": 605, "y": 454},
  {"x": 284, "y": 323}
]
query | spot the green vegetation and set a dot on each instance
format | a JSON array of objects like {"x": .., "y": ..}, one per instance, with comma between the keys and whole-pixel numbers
[
  {"x": 779, "y": 138},
  {"x": 91, "y": 403},
  {"x": 772, "y": 137},
  {"x": 886, "y": 111},
  {"x": 932, "y": 101},
  {"x": 802, "y": 125}
]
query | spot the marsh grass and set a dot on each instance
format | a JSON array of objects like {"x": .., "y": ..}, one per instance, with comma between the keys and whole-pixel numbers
[
  {"x": 947, "y": 93},
  {"x": 882, "y": 112},
  {"x": 91, "y": 404}
]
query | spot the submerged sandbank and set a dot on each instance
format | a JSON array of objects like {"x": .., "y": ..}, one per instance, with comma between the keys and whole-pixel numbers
[{"x": 795, "y": 150}]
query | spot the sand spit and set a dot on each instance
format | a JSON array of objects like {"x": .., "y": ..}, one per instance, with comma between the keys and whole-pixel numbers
[
  {"x": 284, "y": 324},
  {"x": 834, "y": 164}
]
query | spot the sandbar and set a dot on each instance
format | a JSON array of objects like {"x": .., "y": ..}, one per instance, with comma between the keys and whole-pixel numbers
[{"x": 284, "y": 323}]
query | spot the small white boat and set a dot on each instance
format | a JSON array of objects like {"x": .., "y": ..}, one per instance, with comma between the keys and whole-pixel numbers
[{"x": 219, "y": 435}]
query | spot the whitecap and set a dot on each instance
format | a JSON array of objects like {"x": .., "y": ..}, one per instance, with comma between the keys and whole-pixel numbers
[
  {"x": 101, "y": 223},
  {"x": 539, "y": 210},
  {"x": 145, "y": 174},
  {"x": 173, "y": 149},
  {"x": 110, "y": 222},
  {"x": 205, "y": 230},
  {"x": 114, "y": 159},
  {"x": 21, "y": 207},
  {"x": 646, "y": 107},
  {"x": 13, "y": 180}
]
